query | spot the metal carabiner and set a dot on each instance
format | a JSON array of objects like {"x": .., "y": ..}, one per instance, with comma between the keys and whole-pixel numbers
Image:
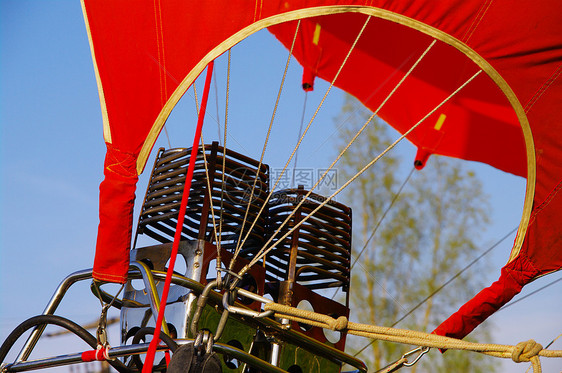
[
  {"x": 201, "y": 302},
  {"x": 422, "y": 350},
  {"x": 101, "y": 332},
  {"x": 204, "y": 339}
]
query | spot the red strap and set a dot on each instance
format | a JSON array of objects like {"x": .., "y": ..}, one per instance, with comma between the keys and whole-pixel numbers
[
  {"x": 117, "y": 200},
  {"x": 187, "y": 186},
  {"x": 94, "y": 355}
]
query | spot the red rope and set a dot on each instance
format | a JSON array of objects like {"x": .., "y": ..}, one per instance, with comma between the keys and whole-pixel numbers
[{"x": 149, "y": 361}]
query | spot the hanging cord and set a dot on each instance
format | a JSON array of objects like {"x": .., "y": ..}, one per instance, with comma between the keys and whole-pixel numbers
[
  {"x": 206, "y": 164},
  {"x": 218, "y": 248},
  {"x": 444, "y": 284},
  {"x": 181, "y": 216},
  {"x": 382, "y": 218},
  {"x": 217, "y": 106},
  {"x": 302, "y": 137},
  {"x": 300, "y": 133},
  {"x": 209, "y": 115},
  {"x": 96, "y": 286},
  {"x": 350, "y": 142},
  {"x": 167, "y": 137},
  {"x": 212, "y": 210},
  {"x": 240, "y": 243},
  {"x": 219, "y": 242},
  {"x": 522, "y": 352},
  {"x": 264, "y": 251}
]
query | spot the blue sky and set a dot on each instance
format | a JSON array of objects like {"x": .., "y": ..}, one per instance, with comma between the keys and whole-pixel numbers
[{"x": 52, "y": 155}]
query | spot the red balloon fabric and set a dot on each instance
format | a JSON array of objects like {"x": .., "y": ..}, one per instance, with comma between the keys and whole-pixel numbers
[
  {"x": 146, "y": 55},
  {"x": 117, "y": 199}
]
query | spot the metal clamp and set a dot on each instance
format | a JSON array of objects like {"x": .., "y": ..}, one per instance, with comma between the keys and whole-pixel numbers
[{"x": 231, "y": 279}]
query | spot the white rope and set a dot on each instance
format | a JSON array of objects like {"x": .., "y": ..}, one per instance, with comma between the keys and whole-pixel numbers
[
  {"x": 376, "y": 159},
  {"x": 219, "y": 242},
  {"x": 298, "y": 137},
  {"x": 528, "y": 351},
  {"x": 302, "y": 137},
  {"x": 288, "y": 218},
  {"x": 210, "y": 194},
  {"x": 240, "y": 243},
  {"x": 212, "y": 209}
]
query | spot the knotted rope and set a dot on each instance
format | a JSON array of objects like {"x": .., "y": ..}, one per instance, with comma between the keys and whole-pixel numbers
[
  {"x": 528, "y": 351},
  {"x": 522, "y": 352}
]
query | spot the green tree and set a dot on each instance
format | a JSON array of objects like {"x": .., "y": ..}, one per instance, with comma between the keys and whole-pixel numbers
[{"x": 428, "y": 235}]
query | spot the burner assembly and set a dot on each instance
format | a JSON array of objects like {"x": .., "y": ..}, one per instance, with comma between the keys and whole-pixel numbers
[
  {"x": 228, "y": 200},
  {"x": 229, "y": 195},
  {"x": 312, "y": 258}
]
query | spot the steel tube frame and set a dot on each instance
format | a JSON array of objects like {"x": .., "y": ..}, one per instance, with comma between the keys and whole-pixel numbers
[
  {"x": 265, "y": 323},
  {"x": 50, "y": 310},
  {"x": 137, "y": 349}
]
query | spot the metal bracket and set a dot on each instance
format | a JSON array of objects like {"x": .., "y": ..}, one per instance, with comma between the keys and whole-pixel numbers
[
  {"x": 244, "y": 311},
  {"x": 201, "y": 302}
]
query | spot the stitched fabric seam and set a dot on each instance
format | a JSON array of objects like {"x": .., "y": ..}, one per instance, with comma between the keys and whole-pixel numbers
[
  {"x": 543, "y": 88},
  {"x": 548, "y": 199},
  {"x": 481, "y": 13}
]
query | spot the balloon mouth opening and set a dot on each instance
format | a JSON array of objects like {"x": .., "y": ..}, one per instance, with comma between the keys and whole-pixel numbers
[{"x": 421, "y": 159}]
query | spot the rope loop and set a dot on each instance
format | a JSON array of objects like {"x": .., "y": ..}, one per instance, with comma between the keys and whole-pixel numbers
[
  {"x": 528, "y": 351},
  {"x": 525, "y": 351}
]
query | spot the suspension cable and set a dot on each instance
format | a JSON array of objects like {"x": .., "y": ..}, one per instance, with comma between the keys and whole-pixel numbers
[
  {"x": 307, "y": 128},
  {"x": 264, "y": 251},
  {"x": 212, "y": 207},
  {"x": 382, "y": 218},
  {"x": 299, "y": 136},
  {"x": 219, "y": 242},
  {"x": 240, "y": 243},
  {"x": 181, "y": 217},
  {"x": 287, "y": 219},
  {"x": 377, "y": 225},
  {"x": 167, "y": 136},
  {"x": 445, "y": 284},
  {"x": 212, "y": 210},
  {"x": 217, "y": 105}
]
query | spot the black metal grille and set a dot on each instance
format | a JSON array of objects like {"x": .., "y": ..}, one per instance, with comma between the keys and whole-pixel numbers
[
  {"x": 317, "y": 254},
  {"x": 159, "y": 214}
]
